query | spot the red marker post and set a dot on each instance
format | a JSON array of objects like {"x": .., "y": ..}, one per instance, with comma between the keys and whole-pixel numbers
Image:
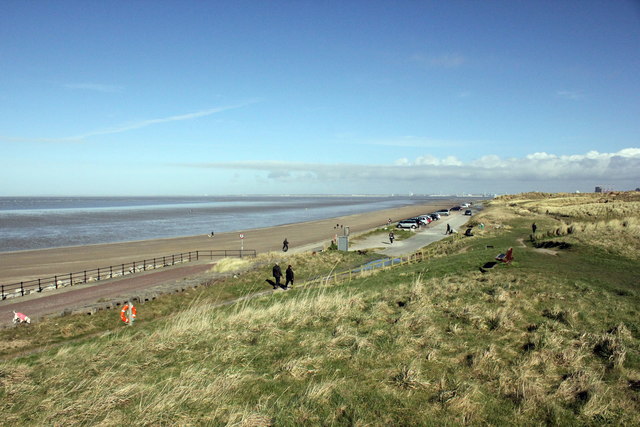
[{"x": 241, "y": 244}]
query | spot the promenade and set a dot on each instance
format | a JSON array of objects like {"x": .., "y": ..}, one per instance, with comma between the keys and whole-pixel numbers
[{"x": 47, "y": 303}]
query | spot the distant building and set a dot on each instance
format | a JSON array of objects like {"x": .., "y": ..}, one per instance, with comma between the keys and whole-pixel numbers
[{"x": 598, "y": 189}]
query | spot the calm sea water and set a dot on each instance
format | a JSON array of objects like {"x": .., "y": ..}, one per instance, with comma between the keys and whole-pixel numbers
[{"x": 46, "y": 222}]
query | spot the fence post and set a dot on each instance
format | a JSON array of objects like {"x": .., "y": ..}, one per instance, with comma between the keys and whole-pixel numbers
[
  {"x": 111, "y": 272},
  {"x": 85, "y": 276},
  {"x": 144, "y": 265},
  {"x": 55, "y": 281},
  {"x": 98, "y": 274},
  {"x": 70, "y": 279},
  {"x": 39, "y": 286},
  {"x": 123, "y": 269},
  {"x": 21, "y": 289},
  {"x": 2, "y": 291}
]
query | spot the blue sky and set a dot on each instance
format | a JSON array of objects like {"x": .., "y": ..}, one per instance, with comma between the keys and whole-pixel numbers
[{"x": 291, "y": 97}]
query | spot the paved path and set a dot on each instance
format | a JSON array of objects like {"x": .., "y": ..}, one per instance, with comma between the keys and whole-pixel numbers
[
  {"x": 38, "y": 305},
  {"x": 429, "y": 234}
]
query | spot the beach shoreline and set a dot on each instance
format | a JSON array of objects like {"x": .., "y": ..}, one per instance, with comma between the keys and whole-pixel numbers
[{"x": 33, "y": 264}]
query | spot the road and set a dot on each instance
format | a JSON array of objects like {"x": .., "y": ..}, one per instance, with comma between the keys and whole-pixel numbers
[{"x": 432, "y": 233}]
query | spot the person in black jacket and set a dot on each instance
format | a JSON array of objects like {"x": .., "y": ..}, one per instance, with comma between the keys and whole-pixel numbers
[
  {"x": 289, "y": 276},
  {"x": 277, "y": 274}
]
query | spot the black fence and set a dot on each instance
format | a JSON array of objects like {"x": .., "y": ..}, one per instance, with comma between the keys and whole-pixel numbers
[{"x": 115, "y": 271}]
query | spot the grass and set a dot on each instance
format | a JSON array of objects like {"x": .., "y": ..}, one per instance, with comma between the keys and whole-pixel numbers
[
  {"x": 549, "y": 339},
  {"x": 399, "y": 233}
]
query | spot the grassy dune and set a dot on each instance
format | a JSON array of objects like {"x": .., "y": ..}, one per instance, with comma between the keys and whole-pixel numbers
[{"x": 553, "y": 338}]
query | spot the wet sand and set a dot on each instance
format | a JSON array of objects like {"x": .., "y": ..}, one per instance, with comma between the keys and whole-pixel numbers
[{"x": 28, "y": 265}]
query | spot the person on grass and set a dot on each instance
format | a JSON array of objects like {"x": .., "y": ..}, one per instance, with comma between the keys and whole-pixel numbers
[
  {"x": 289, "y": 276},
  {"x": 277, "y": 274}
]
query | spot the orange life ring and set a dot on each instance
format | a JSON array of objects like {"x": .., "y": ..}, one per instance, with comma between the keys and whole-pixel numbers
[{"x": 123, "y": 313}]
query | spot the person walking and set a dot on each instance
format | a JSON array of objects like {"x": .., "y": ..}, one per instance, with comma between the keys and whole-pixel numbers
[
  {"x": 448, "y": 229},
  {"x": 277, "y": 274},
  {"x": 289, "y": 277},
  {"x": 391, "y": 237},
  {"x": 285, "y": 245},
  {"x": 534, "y": 227}
]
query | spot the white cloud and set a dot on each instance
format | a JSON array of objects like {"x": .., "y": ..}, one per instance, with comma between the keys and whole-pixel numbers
[
  {"x": 130, "y": 126},
  {"x": 434, "y": 161},
  {"x": 145, "y": 123},
  {"x": 537, "y": 171}
]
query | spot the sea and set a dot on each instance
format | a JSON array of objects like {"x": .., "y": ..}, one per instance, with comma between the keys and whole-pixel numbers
[{"x": 28, "y": 223}]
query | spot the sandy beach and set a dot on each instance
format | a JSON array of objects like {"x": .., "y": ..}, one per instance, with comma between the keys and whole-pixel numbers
[{"x": 28, "y": 265}]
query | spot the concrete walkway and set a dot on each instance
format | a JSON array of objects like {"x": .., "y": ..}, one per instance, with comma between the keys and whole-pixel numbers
[{"x": 427, "y": 235}]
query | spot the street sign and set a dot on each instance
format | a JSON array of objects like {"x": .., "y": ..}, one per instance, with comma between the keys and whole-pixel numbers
[{"x": 242, "y": 236}]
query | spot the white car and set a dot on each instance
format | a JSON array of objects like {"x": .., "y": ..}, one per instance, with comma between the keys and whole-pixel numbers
[
  {"x": 408, "y": 223},
  {"x": 424, "y": 219}
]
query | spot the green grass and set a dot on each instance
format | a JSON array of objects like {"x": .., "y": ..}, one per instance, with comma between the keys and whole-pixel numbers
[
  {"x": 548, "y": 339},
  {"x": 399, "y": 233}
]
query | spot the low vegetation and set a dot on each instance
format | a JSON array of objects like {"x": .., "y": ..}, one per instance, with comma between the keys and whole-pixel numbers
[{"x": 552, "y": 338}]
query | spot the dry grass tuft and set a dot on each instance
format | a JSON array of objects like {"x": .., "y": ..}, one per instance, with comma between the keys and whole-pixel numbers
[
  {"x": 226, "y": 265},
  {"x": 407, "y": 378}
]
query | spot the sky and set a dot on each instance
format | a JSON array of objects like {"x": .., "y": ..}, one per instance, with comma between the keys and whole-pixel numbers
[{"x": 111, "y": 98}]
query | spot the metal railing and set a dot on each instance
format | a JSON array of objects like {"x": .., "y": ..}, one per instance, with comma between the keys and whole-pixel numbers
[
  {"x": 115, "y": 271},
  {"x": 338, "y": 277}
]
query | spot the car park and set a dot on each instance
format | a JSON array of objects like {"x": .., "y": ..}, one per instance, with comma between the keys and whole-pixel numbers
[
  {"x": 468, "y": 212},
  {"x": 408, "y": 223}
]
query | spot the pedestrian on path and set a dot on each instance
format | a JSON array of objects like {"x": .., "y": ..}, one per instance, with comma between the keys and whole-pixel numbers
[
  {"x": 391, "y": 237},
  {"x": 448, "y": 229},
  {"x": 289, "y": 276},
  {"x": 277, "y": 274}
]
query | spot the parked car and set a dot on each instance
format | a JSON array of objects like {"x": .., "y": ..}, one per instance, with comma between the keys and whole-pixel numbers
[
  {"x": 468, "y": 212},
  {"x": 435, "y": 216},
  {"x": 408, "y": 223},
  {"x": 455, "y": 208},
  {"x": 424, "y": 219},
  {"x": 443, "y": 212}
]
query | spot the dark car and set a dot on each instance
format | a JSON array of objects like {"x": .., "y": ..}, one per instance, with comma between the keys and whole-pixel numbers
[
  {"x": 408, "y": 223},
  {"x": 468, "y": 212}
]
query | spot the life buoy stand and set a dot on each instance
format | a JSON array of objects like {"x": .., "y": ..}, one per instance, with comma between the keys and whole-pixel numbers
[{"x": 125, "y": 312}]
